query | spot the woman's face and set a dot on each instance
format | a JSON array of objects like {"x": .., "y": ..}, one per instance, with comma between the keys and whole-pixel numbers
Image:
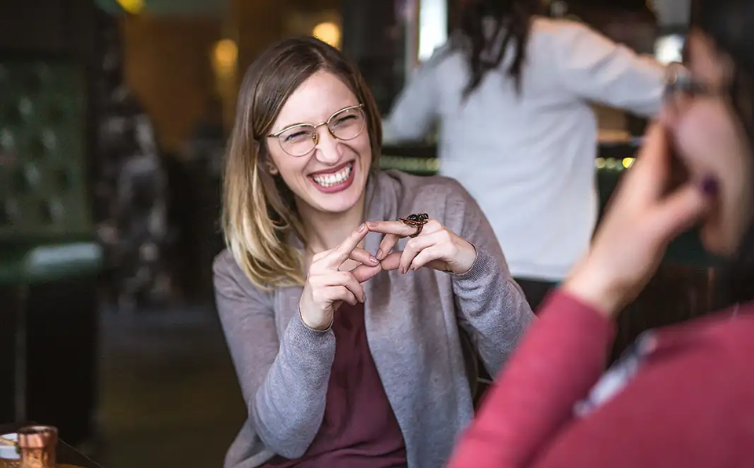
[
  {"x": 331, "y": 176},
  {"x": 709, "y": 139}
]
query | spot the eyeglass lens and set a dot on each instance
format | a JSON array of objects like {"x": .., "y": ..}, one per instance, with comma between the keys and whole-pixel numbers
[{"x": 344, "y": 125}]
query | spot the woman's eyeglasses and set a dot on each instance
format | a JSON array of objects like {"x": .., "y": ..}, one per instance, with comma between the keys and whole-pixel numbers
[
  {"x": 301, "y": 139},
  {"x": 680, "y": 85}
]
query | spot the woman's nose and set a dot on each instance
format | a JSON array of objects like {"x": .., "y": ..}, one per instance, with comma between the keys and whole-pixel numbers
[{"x": 328, "y": 149}]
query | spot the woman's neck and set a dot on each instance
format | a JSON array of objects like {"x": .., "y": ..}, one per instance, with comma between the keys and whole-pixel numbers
[{"x": 325, "y": 231}]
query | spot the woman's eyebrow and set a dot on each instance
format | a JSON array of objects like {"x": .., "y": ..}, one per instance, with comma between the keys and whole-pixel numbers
[
  {"x": 309, "y": 123},
  {"x": 284, "y": 127}
]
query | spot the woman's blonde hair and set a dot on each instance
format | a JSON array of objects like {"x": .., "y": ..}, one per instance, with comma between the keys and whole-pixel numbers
[{"x": 259, "y": 213}]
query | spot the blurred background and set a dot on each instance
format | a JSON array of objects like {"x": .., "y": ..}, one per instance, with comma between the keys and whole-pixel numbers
[{"x": 113, "y": 119}]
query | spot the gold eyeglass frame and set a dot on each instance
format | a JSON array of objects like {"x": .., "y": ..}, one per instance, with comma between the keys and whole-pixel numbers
[{"x": 315, "y": 134}]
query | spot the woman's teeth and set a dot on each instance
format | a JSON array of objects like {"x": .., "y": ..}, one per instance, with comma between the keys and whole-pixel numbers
[{"x": 328, "y": 180}]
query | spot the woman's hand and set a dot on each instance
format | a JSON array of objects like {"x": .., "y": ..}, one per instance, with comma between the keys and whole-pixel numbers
[
  {"x": 327, "y": 286},
  {"x": 641, "y": 221},
  {"x": 436, "y": 247}
]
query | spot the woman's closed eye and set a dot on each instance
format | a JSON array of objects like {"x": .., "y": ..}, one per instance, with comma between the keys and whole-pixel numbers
[
  {"x": 340, "y": 121},
  {"x": 297, "y": 135}
]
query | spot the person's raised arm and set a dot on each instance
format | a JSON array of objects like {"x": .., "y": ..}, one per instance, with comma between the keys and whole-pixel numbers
[
  {"x": 416, "y": 108},
  {"x": 597, "y": 69},
  {"x": 283, "y": 378}
]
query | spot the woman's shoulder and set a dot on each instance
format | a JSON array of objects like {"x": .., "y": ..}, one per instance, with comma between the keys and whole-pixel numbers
[
  {"x": 551, "y": 37},
  {"x": 230, "y": 280},
  {"x": 446, "y": 54},
  {"x": 225, "y": 264},
  {"x": 435, "y": 189},
  {"x": 715, "y": 351},
  {"x": 557, "y": 27},
  {"x": 728, "y": 332},
  {"x": 441, "y": 197}
]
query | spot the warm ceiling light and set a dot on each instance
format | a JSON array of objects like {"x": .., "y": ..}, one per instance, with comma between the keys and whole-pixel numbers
[
  {"x": 328, "y": 32},
  {"x": 226, "y": 53},
  {"x": 131, "y": 6}
]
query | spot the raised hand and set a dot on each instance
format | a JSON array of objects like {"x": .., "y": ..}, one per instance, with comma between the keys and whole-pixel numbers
[
  {"x": 435, "y": 247},
  {"x": 327, "y": 286},
  {"x": 642, "y": 219}
]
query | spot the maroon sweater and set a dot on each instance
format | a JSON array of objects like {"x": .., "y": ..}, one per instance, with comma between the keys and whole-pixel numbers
[
  {"x": 683, "y": 398},
  {"x": 359, "y": 428}
]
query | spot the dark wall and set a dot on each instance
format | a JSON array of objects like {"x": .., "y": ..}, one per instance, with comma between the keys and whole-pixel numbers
[
  {"x": 373, "y": 37},
  {"x": 61, "y": 347},
  {"x": 62, "y": 316},
  {"x": 55, "y": 27},
  {"x": 45, "y": 25}
]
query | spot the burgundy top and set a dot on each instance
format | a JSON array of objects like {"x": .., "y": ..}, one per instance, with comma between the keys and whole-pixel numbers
[
  {"x": 359, "y": 428},
  {"x": 684, "y": 399}
]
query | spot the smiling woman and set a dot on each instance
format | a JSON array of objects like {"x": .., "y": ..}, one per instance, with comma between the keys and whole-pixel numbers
[{"x": 355, "y": 335}]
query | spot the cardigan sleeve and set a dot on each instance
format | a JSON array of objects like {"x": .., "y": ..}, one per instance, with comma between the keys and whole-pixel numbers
[
  {"x": 283, "y": 379},
  {"x": 491, "y": 307}
]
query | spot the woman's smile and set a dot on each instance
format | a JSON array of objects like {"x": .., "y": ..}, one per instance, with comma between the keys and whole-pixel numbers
[{"x": 336, "y": 179}]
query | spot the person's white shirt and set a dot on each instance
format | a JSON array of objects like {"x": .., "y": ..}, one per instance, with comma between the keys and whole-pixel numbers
[{"x": 529, "y": 158}]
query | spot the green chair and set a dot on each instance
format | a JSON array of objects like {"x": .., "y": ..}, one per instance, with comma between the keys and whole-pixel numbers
[{"x": 46, "y": 231}]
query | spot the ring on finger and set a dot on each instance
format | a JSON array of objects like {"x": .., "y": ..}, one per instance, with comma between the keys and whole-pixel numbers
[{"x": 416, "y": 220}]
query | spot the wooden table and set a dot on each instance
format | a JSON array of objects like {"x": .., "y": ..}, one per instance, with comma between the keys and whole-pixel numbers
[{"x": 65, "y": 454}]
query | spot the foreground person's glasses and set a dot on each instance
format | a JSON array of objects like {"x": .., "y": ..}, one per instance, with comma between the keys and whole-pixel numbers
[
  {"x": 301, "y": 139},
  {"x": 680, "y": 85}
]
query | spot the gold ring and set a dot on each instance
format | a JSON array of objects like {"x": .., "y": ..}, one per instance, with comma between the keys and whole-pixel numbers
[{"x": 416, "y": 220}]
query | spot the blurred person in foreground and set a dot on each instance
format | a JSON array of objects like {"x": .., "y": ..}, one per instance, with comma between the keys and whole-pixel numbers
[{"x": 683, "y": 396}]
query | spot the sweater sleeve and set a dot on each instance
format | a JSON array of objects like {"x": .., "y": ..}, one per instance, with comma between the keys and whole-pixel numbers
[
  {"x": 681, "y": 409},
  {"x": 283, "y": 381},
  {"x": 594, "y": 68},
  {"x": 491, "y": 306},
  {"x": 416, "y": 108}
]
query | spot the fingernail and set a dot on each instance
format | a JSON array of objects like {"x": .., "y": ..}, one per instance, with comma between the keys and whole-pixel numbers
[
  {"x": 364, "y": 299},
  {"x": 362, "y": 227},
  {"x": 379, "y": 254},
  {"x": 709, "y": 186},
  {"x": 373, "y": 260}
]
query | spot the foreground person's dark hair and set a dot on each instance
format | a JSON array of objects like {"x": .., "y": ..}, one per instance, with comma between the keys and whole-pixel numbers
[{"x": 730, "y": 24}]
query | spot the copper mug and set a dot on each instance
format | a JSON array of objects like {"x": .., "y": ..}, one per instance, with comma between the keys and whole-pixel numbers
[{"x": 35, "y": 447}]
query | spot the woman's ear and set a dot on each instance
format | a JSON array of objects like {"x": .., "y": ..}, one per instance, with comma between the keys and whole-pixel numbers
[{"x": 271, "y": 167}]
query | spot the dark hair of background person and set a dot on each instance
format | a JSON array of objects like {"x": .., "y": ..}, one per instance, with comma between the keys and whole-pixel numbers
[{"x": 512, "y": 19}]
